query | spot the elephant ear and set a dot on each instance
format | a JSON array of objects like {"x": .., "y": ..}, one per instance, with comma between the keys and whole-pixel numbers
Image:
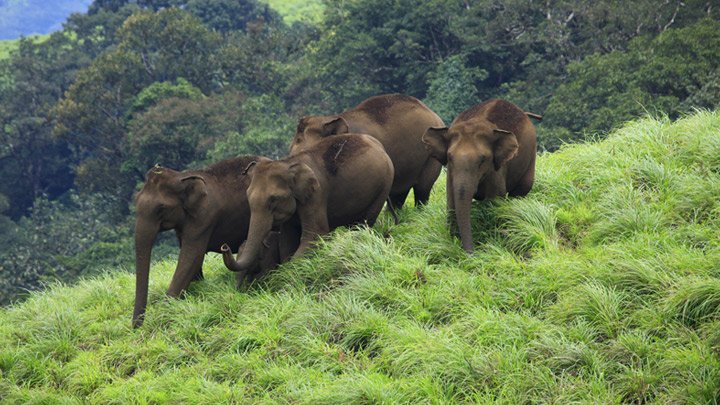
[
  {"x": 505, "y": 147},
  {"x": 193, "y": 191},
  {"x": 303, "y": 182},
  {"x": 335, "y": 126},
  {"x": 435, "y": 140}
]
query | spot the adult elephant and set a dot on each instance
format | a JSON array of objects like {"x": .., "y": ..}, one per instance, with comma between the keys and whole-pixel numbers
[
  {"x": 206, "y": 208},
  {"x": 341, "y": 180},
  {"x": 398, "y": 122},
  {"x": 489, "y": 151}
]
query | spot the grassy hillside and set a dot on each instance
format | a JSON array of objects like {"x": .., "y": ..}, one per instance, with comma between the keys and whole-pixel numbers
[
  {"x": 601, "y": 286},
  {"x": 298, "y": 10},
  {"x": 10, "y": 45}
]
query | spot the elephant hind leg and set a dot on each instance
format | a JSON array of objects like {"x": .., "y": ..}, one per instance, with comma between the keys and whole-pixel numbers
[
  {"x": 373, "y": 210},
  {"x": 398, "y": 200},
  {"x": 199, "y": 275},
  {"x": 525, "y": 184},
  {"x": 422, "y": 188}
]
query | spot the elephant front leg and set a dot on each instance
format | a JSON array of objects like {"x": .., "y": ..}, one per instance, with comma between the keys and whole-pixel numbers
[
  {"x": 451, "y": 220},
  {"x": 189, "y": 267},
  {"x": 314, "y": 223}
]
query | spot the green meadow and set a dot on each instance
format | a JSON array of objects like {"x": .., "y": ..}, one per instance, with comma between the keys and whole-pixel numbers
[
  {"x": 298, "y": 10},
  {"x": 601, "y": 286}
]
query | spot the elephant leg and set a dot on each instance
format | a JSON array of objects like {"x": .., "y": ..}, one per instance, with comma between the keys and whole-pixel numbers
[
  {"x": 314, "y": 223},
  {"x": 398, "y": 200},
  {"x": 427, "y": 178},
  {"x": 392, "y": 211},
  {"x": 199, "y": 275},
  {"x": 288, "y": 241},
  {"x": 525, "y": 184},
  {"x": 375, "y": 207},
  {"x": 451, "y": 219}
]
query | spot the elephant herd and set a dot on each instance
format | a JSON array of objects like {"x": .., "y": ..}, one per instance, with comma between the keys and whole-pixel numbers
[{"x": 341, "y": 170}]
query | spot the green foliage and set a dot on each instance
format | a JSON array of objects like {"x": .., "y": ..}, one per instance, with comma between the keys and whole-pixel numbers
[
  {"x": 177, "y": 131},
  {"x": 266, "y": 130},
  {"x": 672, "y": 73},
  {"x": 32, "y": 163},
  {"x": 298, "y": 10},
  {"x": 158, "y": 91},
  {"x": 61, "y": 241},
  {"x": 451, "y": 88},
  {"x": 153, "y": 47},
  {"x": 559, "y": 304}
]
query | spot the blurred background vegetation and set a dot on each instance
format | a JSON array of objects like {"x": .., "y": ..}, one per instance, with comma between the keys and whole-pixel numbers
[{"x": 130, "y": 83}]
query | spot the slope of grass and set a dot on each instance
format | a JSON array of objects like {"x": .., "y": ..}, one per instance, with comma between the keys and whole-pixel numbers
[
  {"x": 602, "y": 286},
  {"x": 298, "y": 10}
]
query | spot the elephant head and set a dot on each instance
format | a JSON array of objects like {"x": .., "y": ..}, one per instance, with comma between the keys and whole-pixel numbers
[
  {"x": 471, "y": 151},
  {"x": 168, "y": 200},
  {"x": 313, "y": 128},
  {"x": 276, "y": 191}
]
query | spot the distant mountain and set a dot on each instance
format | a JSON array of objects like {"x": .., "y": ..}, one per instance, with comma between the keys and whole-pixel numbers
[{"x": 26, "y": 17}]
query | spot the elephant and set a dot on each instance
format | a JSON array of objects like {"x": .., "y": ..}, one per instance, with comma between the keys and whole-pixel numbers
[
  {"x": 341, "y": 180},
  {"x": 206, "y": 208},
  {"x": 398, "y": 122},
  {"x": 489, "y": 151}
]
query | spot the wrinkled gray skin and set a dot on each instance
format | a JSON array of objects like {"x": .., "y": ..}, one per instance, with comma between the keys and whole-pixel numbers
[
  {"x": 489, "y": 151},
  {"x": 341, "y": 180},
  {"x": 205, "y": 208},
  {"x": 398, "y": 122}
]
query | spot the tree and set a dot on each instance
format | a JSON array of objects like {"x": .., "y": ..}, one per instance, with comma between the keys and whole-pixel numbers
[
  {"x": 452, "y": 87},
  {"x": 381, "y": 46},
  {"x": 671, "y": 73},
  {"x": 32, "y": 163},
  {"x": 178, "y": 132},
  {"x": 93, "y": 116}
]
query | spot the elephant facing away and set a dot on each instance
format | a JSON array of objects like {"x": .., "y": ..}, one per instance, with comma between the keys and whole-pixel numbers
[
  {"x": 205, "y": 208},
  {"x": 341, "y": 180},
  {"x": 489, "y": 151},
  {"x": 398, "y": 122}
]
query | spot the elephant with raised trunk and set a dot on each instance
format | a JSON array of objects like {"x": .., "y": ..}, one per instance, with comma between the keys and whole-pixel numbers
[
  {"x": 206, "y": 208},
  {"x": 398, "y": 122},
  {"x": 341, "y": 180},
  {"x": 489, "y": 151}
]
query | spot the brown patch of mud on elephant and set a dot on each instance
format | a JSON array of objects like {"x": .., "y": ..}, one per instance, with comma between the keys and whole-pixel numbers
[
  {"x": 377, "y": 107},
  {"x": 339, "y": 151},
  {"x": 507, "y": 116}
]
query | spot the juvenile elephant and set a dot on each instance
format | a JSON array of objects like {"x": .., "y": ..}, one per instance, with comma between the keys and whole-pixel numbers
[
  {"x": 341, "y": 180},
  {"x": 489, "y": 151},
  {"x": 398, "y": 122},
  {"x": 206, "y": 208}
]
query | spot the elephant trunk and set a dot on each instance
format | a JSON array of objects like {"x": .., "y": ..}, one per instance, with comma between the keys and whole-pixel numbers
[
  {"x": 228, "y": 258},
  {"x": 257, "y": 232},
  {"x": 463, "y": 196},
  {"x": 145, "y": 234}
]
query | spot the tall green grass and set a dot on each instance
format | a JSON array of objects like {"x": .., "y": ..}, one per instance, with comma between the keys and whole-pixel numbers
[{"x": 601, "y": 286}]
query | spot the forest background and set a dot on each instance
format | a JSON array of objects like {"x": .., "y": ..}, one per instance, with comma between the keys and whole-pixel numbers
[{"x": 86, "y": 110}]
